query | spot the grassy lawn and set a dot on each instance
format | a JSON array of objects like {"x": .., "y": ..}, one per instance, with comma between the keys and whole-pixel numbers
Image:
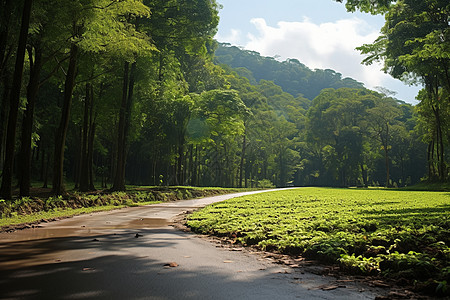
[{"x": 397, "y": 234}]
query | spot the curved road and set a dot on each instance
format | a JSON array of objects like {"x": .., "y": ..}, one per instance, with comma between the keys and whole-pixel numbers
[{"x": 134, "y": 253}]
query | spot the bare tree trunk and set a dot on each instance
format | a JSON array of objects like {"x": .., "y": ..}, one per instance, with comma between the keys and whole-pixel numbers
[
  {"x": 124, "y": 126},
  {"x": 90, "y": 156},
  {"x": 4, "y": 107},
  {"x": 27, "y": 123},
  {"x": 84, "y": 179},
  {"x": 60, "y": 139},
  {"x": 45, "y": 185},
  {"x": 6, "y": 188},
  {"x": 119, "y": 184}
]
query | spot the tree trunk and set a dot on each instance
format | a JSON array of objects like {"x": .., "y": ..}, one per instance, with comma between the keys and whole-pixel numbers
[
  {"x": 119, "y": 183},
  {"x": 6, "y": 188},
  {"x": 4, "y": 107},
  {"x": 90, "y": 156},
  {"x": 440, "y": 145},
  {"x": 179, "y": 177},
  {"x": 430, "y": 161},
  {"x": 45, "y": 185},
  {"x": 364, "y": 175},
  {"x": 241, "y": 164},
  {"x": 27, "y": 123},
  {"x": 60, "y": 139},
  {"x": 124, "y": 126},
  {"x": 84, "y": 177},
  {"x": 77, "y": 173}
]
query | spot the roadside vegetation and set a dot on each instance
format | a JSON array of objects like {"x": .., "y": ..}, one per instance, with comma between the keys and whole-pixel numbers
[
  {"x": 400, "y": 235},
  {"x": 25, "y": 211}
]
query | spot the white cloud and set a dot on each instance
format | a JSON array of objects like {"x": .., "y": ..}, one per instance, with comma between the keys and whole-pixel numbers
[
  {"x": 322, "y": 46},
  {"x": 233, "y": 37},
  {"x": 328, "y": 45}
]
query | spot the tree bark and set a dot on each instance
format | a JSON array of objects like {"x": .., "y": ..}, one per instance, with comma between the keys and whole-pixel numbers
[
  {"x": 4, "y": 107},
  {"x": 84, "y": 173},
  {"x": 124, "y": 125},
  {"x": 27, "y": 123},
  {"x": 60, "y": 139},
  {"x": 90, "y": 155},
  {"x": 6, "y": 188}
]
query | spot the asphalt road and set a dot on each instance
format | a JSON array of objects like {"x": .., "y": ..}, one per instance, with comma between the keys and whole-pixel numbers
[{"x": 134, "y": 253}]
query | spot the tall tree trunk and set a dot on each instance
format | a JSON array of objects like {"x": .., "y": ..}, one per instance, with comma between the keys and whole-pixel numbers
[
  {"x": 41, "y": 177},
  {"x": 430, "y": 161},
  {"x": 77, "y": 173},
  {"x": 119, "y": 184},
  {"x": 90, "y": 156},
  {"x": 84, "y": 177},
  {"x": 60, "y": 139},
  {"x": 6, "y": 188},
  {"x": 386, "y": 162},
  {"x": 179, "y": 177},
  {"x": 45, "y": 185},
  {"x": 440, "y": 145},
  {"x": 241, "y": 164},
  {"x": 4, "y": 107},
  {"x": 364, "y": 175},
  {"x": 27, "y": 123},
  {"x": 124, "y": 125}
]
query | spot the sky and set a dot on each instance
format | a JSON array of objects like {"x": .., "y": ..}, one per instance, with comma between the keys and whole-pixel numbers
[{"x": 319, "y": 33}]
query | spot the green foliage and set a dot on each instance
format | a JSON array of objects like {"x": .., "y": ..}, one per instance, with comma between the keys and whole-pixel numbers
[
  {"x": 395, "y": 233},
  {"x": 291, "y": 75}
]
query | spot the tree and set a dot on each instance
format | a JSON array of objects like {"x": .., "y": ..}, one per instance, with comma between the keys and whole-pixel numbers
[
  {"x": 414, "y": 43},
  {"x": 98, "y": 26},
  {"x": 381, "y": 120},
  {"x": 6, "y": 191}
]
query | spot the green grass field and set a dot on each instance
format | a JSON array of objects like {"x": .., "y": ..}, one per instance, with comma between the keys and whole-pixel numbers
[{"x": 398, "y": 234}]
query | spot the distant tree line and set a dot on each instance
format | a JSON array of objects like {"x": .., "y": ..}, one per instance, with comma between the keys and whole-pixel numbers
[{"x": 105, "y": 93}]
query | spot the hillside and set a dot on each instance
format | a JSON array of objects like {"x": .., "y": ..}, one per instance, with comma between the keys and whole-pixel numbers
[{"x": 291, "y": 75}]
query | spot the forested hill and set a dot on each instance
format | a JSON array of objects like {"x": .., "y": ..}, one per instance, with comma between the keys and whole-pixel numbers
[{"x": 291, "y": 75}]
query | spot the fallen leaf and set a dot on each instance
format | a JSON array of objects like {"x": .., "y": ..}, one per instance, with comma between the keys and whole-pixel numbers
[
  {"x": 171, "y": 265},
  {"x": 227, "y": 261}
]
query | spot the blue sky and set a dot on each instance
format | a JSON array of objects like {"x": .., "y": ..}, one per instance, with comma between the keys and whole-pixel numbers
[{"x": 319, "y": 33}]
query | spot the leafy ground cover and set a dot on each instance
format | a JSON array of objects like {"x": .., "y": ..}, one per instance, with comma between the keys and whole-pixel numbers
[
  {"x": 42, "y": 206},
  {"x": 401, "y": 235}
]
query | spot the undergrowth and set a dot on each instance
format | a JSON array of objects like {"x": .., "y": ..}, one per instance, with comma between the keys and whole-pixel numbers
[{"x": 34, "y": 209}]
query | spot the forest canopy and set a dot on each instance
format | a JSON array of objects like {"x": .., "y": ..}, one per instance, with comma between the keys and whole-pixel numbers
[{"x": 106, "y": 93}]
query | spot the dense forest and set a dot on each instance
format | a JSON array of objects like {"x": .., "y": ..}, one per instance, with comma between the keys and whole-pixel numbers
[{"x": 104, "y": 93}]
